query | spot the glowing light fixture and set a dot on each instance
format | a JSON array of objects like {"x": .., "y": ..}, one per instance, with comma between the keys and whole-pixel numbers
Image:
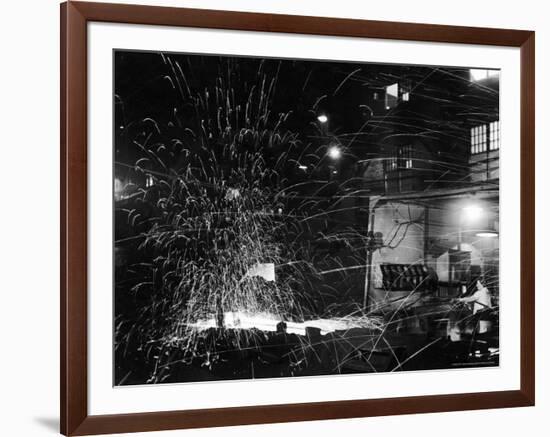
[
  {"x": 322, "y": 118},
  {"x": 472, "y": 213},
  {"x": 488, "y": 231},
  {"x": 118, "y": 189},
  {"x": 334, "y": 152},
  {"x": 487, "y": 234},
  {"x": 478, "y": 220},
  {"x": 302, "y": 167}
]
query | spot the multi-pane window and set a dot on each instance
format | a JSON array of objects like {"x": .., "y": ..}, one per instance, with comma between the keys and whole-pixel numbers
[
  {"x": 402, "y": 159},
  {"x": 390, "y": 163},
  {"x": 478, "y": 139},
  {"x": 405, "y": 154},
  {"x": 494, "y": 135},
  {"x": 477, "y": 74},
  {"x": 485, "y": 137}
]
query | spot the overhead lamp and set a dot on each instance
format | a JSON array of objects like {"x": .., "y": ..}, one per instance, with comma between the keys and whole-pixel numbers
[
  {"x": 487, "y": 234},
  {"x": 334, "y": 152},
  {"x": 488, "y": 231},
  {"x": 472, "y": 213}
]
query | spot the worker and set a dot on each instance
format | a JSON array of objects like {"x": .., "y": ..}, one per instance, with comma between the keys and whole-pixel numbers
[{"x": 481, "y": 300}]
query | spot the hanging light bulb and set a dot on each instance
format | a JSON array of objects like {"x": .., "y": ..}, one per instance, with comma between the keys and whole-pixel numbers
[{"x": 334, "y": 152}]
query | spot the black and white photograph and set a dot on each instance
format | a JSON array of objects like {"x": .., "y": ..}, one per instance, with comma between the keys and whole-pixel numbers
[
  {"x": 276, "y": 218},
  {"x": 288, "y": 217}
]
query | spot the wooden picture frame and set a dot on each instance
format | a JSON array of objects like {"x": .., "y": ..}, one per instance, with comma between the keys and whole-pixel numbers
[{"x": 75, "y": 419}]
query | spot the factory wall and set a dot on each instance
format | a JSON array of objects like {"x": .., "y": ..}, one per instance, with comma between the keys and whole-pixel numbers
[{"x": 415, "y": 234}]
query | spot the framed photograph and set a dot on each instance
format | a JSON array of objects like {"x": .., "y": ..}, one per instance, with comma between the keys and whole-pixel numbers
[{"x": 270, "y": 218}]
